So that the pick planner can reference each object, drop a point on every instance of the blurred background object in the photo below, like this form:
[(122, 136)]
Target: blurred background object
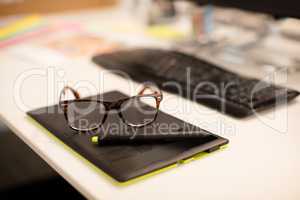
[(13, 7), (277, 8)]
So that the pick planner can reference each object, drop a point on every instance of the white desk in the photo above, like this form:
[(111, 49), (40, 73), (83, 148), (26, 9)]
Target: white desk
[(262, 160)]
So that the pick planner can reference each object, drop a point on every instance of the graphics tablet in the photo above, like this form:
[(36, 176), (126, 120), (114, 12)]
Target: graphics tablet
[(128, 162)]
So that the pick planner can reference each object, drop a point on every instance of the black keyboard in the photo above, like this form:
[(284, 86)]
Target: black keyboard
[(197, 80)]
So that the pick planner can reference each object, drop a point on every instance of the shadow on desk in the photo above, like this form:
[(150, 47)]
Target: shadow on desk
[(52, 188), (24, 174)]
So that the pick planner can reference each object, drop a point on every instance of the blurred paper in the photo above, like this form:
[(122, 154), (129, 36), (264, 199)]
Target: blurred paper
[(81, 45), (19, 26)]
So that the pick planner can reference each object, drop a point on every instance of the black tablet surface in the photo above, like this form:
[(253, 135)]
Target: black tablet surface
[(124, 162)]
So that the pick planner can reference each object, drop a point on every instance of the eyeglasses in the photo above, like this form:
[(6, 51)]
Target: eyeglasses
[(90, 114)]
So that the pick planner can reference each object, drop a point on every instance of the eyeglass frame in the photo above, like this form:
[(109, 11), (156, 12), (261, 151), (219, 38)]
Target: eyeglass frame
[(110, 105)]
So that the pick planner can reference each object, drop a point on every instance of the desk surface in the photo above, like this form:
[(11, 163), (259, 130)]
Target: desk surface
[(262, 160)]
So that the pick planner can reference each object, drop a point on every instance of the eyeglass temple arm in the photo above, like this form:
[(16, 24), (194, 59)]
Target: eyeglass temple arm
[(156, 91), (63, 92)]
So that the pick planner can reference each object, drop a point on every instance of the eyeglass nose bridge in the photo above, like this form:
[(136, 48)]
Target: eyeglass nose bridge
[(112, 105)]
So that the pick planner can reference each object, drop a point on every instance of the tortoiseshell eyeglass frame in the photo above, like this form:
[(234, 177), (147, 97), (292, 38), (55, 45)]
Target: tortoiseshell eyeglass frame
[(110, 105)]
